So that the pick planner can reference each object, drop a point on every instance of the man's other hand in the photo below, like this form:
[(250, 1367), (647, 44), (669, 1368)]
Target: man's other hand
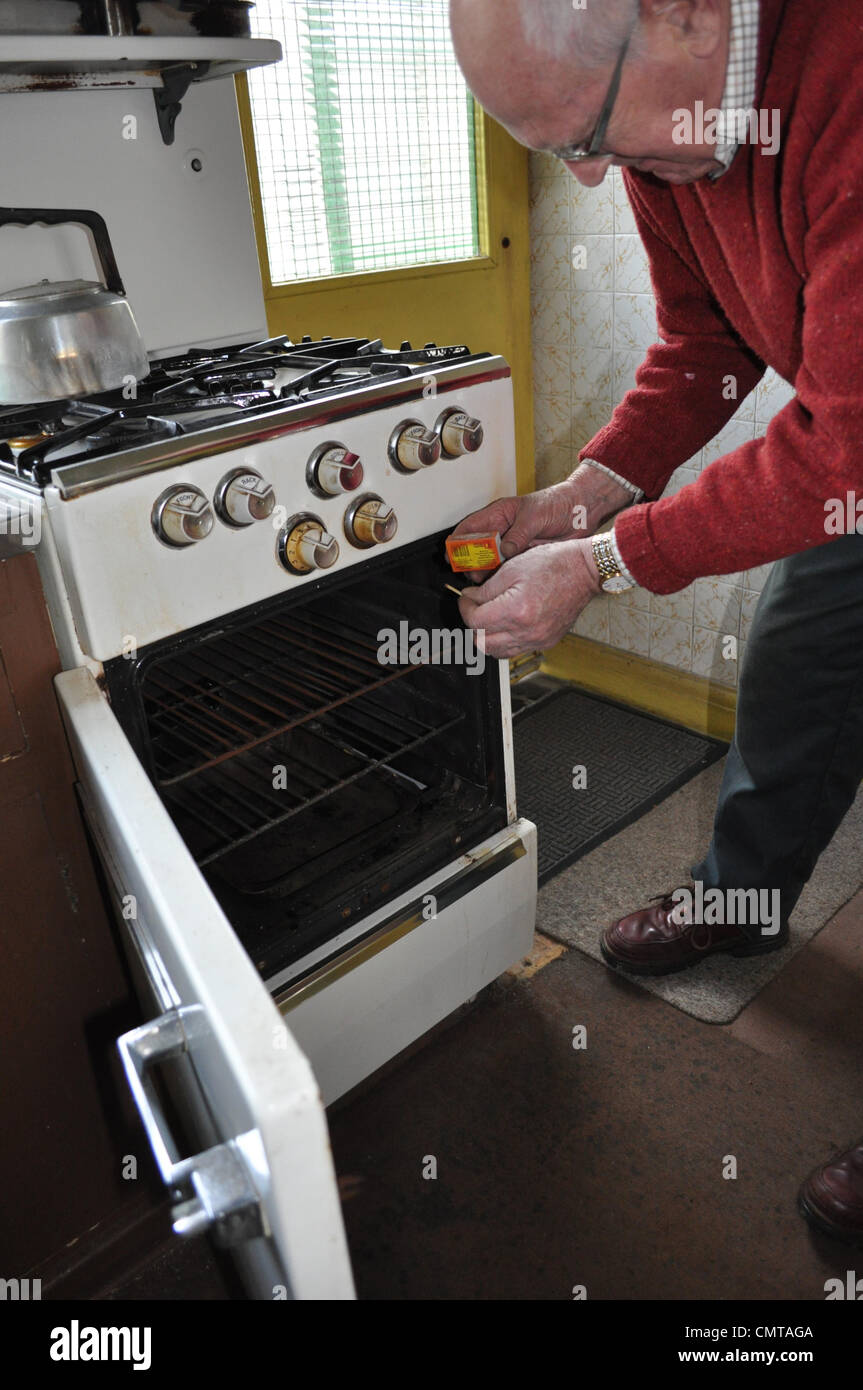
[(565, 511), (532, 601)]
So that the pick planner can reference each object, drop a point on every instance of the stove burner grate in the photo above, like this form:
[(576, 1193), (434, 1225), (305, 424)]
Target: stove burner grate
[(218, 385)]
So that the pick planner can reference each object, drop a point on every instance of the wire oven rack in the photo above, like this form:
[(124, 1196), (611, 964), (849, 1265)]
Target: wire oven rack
[(305, 691)]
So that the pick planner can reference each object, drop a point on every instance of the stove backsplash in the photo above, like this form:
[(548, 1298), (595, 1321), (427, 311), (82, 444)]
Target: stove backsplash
[(183, 236)]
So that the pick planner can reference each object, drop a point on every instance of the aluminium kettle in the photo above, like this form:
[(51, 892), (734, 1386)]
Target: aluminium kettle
[(68, 337)]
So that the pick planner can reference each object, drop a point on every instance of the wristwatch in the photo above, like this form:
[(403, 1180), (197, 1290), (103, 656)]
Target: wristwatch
[(613, 582)]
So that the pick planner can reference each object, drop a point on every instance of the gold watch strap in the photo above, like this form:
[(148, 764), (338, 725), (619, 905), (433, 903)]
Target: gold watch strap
[(612, 578), (604, 557)]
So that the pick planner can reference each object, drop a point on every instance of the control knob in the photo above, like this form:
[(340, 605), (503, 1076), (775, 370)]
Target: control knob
[(333, 469), (182, 516), (459, 433), (370, 521), (244, 497), (304, 545), (413, 446)]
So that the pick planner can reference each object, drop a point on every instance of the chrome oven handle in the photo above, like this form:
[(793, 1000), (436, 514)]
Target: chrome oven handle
[(141, 1049), (224, 1196)]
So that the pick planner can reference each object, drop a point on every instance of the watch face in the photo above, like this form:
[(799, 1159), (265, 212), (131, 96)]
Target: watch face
[(617, 585)]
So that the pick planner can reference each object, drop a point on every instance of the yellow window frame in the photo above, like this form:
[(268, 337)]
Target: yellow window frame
[(483, 301)]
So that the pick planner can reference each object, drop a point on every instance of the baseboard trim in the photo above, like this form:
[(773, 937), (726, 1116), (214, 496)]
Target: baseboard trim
[(696, 703)]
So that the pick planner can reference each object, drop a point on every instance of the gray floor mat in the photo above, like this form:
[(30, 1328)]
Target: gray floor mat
[(654, 854), (631, 762)]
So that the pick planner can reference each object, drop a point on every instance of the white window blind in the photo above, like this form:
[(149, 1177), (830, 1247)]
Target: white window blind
[(365, 138)]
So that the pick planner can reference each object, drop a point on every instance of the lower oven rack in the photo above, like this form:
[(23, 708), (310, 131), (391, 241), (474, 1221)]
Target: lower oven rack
[(233, 802)]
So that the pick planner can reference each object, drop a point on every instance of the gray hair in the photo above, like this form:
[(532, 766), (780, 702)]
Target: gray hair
[(593, 32)]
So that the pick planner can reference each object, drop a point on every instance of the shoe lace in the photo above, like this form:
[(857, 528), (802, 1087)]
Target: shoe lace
[(669, 895)]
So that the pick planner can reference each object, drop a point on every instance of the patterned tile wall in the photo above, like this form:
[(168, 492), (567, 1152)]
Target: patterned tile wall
[(593, 318)]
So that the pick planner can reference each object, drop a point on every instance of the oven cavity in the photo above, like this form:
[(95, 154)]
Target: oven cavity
[(312, 780)]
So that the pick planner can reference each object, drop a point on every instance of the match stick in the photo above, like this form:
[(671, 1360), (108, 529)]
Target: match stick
[(453, 590)]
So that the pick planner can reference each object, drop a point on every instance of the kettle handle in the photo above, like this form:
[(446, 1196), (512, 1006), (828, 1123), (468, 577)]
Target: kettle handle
[(55, 217)]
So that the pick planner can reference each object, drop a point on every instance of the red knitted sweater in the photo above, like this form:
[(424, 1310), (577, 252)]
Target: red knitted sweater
[(762, 268)]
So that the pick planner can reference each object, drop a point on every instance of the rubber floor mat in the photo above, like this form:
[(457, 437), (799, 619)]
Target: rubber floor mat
[(586, 768)]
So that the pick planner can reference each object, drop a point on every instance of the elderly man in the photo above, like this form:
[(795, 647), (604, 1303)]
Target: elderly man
[(756, 254)]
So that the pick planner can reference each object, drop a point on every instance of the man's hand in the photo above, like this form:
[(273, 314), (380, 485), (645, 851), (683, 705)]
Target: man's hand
[(533, 600), (564, 512)]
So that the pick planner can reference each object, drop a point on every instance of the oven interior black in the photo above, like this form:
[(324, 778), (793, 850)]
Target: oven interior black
[(311, 782)]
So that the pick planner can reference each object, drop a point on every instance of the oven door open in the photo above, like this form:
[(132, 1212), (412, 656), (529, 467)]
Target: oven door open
[(259, 1172)]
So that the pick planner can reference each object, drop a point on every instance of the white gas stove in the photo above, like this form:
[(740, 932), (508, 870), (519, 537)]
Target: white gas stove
[(313, 857)]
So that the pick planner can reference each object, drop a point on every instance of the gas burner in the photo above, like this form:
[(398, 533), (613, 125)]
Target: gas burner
[(141, 429), (102, 431)]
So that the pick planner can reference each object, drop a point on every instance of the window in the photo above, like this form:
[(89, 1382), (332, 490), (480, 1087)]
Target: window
[(365, 139)]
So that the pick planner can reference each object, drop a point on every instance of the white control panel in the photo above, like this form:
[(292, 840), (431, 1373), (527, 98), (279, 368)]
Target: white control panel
[(179, 546)]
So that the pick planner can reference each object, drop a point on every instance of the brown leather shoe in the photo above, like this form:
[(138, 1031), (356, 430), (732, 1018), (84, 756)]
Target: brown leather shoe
[(831, 1198), (649, 942)]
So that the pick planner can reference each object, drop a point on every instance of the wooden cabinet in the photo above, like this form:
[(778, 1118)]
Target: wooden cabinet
[(69, 1131)]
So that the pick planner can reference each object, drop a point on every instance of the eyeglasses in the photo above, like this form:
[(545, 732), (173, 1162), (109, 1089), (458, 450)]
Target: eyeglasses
[(574, 154)]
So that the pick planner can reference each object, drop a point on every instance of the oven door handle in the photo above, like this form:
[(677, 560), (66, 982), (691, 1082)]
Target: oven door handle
[(223, 1197)]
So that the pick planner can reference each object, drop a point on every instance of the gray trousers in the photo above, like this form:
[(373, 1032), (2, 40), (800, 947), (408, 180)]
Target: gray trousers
[(796, 762)]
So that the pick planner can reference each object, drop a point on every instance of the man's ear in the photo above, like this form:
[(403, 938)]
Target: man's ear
[(696, 24)]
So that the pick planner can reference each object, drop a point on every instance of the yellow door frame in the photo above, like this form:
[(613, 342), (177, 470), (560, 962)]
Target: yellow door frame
[(484, 301)]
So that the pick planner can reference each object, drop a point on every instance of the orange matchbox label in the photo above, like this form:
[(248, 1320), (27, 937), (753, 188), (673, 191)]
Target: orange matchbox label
[(474, 552)]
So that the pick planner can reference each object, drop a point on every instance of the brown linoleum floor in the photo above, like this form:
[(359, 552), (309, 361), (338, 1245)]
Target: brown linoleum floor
[(603, 1167), (599, 1166)]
